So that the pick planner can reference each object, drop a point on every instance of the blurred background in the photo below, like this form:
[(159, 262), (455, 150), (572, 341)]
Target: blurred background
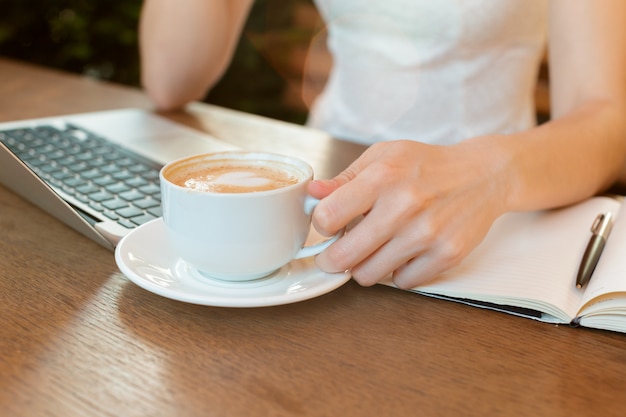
[(280, 65), (98, 39)]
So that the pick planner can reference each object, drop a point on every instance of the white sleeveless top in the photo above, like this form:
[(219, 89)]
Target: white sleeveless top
[(437, 71)]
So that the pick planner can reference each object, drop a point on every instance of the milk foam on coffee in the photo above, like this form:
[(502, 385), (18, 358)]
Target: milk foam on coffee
[(235, 176)]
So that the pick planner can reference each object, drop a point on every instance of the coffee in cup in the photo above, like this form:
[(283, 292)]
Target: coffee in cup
[(235, 176)]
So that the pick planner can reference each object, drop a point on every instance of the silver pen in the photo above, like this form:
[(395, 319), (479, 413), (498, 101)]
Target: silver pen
[(600, 230)]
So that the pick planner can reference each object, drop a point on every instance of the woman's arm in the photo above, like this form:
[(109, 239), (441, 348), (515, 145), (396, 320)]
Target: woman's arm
[(426, 207), (583, 149), (186, 45)]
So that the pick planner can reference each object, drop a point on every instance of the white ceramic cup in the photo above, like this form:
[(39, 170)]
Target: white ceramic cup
[(239, 236)]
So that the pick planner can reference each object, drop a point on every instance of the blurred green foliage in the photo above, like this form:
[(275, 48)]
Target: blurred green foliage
[(98, 38), (95, 38)]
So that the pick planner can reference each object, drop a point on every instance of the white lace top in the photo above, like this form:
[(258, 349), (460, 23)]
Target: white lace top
[(437, 71)]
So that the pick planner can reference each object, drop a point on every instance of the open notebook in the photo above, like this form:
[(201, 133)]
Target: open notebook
[(528, 262), (97, 172)]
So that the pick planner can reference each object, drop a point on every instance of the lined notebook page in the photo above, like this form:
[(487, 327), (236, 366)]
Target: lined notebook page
[(528, 257)]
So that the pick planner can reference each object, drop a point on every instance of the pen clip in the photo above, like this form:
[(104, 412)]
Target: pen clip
[(595, 227), (602, 225)]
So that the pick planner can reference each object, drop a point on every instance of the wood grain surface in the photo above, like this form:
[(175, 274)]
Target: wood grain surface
[(79, 339)]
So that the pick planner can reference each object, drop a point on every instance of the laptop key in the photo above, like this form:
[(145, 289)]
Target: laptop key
[(104, 181), (100, 196), (88, 189), (150, 188), (75, 181), (127, 223), (136, 182), (144, 218), (156, 211), (117, 188), (132, 195), (110, 214), (146, 203), (115, 203), (129, 212)]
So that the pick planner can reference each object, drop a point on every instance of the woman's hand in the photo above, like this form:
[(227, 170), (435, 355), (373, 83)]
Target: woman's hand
[(425, 208)]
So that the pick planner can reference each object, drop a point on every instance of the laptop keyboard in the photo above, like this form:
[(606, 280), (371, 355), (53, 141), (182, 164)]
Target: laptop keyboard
[(102, 179)]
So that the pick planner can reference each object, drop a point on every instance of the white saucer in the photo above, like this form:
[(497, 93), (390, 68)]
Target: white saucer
[(146, 258)]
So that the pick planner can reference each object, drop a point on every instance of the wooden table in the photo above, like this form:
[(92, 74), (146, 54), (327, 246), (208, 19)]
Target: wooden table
[(78, 338)]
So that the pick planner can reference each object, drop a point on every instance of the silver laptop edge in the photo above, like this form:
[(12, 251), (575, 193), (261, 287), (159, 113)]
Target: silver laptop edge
[(141, 131)]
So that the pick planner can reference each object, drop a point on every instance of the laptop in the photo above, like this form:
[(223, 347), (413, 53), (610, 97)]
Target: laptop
[(96, 172)]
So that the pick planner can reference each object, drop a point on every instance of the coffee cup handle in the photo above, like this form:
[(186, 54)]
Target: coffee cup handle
[(309, 204)]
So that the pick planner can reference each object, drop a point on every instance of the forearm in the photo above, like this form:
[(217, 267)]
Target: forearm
[(565, 160), (583, 149), (185, 46)]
